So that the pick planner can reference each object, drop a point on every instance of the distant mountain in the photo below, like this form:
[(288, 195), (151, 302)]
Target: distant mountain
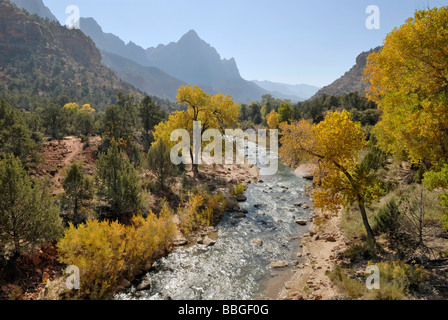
[(298, 92), (352, 80), (151, 80), (196, 62), (189, 61), (43, 58), (35, 7)]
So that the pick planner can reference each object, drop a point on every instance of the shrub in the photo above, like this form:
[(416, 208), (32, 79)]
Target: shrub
[(217, 203), (401, 275), (365, 250), (106, 252), (375, 159), (193, 213), (239, 189), (387, 219), (351, 287)]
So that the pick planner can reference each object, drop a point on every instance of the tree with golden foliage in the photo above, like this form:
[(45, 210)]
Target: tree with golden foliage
[(409, 82), (272, 120), (213, 111), (334, 144)]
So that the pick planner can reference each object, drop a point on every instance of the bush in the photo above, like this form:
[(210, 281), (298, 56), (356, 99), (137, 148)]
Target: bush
[(397, 281), (366, 250), (105, 252), (351, 287), (400, 275), (387, 219), (239, 189), (375, 159), (217, 203), (193, 213)]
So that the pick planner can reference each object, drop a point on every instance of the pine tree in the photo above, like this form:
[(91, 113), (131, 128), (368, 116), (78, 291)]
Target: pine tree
[(78, 190), (28, 215), (118, 182), (159, 163)]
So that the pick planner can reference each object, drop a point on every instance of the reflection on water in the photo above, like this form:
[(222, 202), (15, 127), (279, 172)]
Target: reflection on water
[(234, 268)]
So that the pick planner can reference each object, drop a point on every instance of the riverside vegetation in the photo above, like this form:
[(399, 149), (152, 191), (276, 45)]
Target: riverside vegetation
[(387, 178), (121, 215), (381, 164)]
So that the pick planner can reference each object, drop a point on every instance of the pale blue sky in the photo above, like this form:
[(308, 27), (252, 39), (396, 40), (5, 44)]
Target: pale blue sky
[(290, 41)]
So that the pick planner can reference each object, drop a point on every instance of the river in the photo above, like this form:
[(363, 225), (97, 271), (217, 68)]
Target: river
[(235, 268)]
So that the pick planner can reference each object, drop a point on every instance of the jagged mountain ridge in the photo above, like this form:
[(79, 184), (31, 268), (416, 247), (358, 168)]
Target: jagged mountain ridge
[(352, 80), (190, 60), (35, 7)]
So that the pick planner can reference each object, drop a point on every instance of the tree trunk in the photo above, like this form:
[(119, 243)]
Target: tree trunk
[(194, 167), (365, 220)]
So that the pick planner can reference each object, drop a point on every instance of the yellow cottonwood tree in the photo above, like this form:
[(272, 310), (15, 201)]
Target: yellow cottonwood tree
[(334, 144), (213, 111), (409, 82), (272, 120)]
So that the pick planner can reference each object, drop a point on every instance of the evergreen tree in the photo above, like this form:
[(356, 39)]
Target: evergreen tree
[(78, 190), (15, 135), (118, 182), (159, 163), (28, 215), (150, 114)]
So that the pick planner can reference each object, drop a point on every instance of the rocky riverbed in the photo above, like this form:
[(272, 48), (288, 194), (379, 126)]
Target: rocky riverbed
[(251, 246)]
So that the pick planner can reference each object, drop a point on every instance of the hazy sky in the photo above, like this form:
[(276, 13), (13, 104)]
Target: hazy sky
[(290, 41)]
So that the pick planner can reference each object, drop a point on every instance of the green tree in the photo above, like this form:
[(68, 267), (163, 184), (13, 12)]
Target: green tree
[(285, 113), (28, 215), (150, 114), (78, 190), (55, 120), (118, 182), (15, 135), (159, 163)]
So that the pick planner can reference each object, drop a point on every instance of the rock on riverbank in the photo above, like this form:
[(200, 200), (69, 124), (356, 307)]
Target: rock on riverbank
[(306, 171)]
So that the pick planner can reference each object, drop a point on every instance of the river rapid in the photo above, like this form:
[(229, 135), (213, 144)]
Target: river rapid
[(235, 268)]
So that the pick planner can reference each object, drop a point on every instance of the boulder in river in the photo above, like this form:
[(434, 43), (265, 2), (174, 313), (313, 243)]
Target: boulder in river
[(278, 264), (239, 216), (241, 197), (301, 222), (257, 242)]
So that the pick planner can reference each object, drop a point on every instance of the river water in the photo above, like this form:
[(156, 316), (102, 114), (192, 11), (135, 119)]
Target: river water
[(235, 268)]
